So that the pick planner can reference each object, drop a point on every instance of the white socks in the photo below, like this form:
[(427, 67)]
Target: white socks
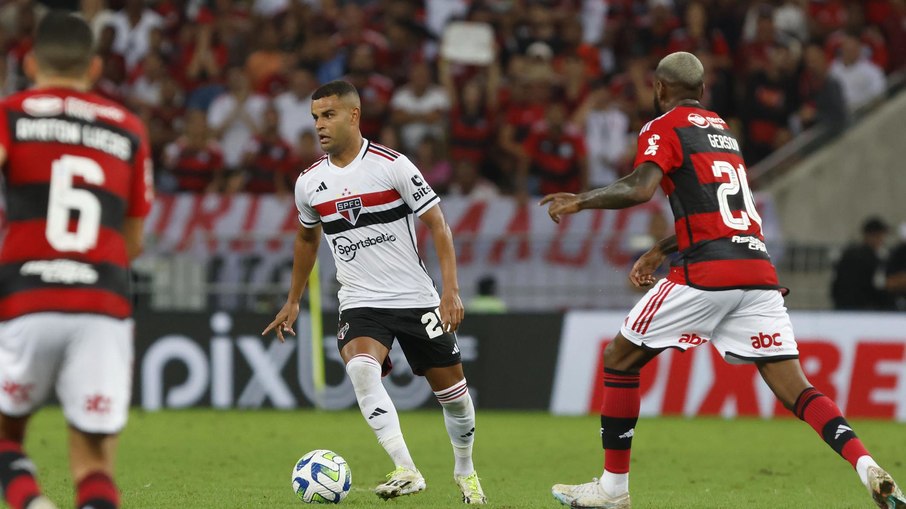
[(614, 485), (862, 465), (377, 408), (459, 417)]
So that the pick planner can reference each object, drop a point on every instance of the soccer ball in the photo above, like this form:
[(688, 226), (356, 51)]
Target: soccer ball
[(321, 477)]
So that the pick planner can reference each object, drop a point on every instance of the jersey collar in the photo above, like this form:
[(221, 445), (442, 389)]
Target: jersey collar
[(354, 162)]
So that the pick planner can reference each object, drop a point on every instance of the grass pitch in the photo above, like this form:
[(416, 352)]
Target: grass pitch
[(202, 459)]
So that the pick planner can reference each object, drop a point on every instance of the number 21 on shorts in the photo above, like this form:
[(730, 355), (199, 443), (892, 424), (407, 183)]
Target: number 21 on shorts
[(432, 323)]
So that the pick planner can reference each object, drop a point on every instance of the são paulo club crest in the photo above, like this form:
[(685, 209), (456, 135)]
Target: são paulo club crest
[(350, 209)]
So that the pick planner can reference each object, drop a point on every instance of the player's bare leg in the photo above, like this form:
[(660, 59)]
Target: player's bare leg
[(17, 472), (452, 392), (91, 458), (793, 389), (619, 413), (363, 357)]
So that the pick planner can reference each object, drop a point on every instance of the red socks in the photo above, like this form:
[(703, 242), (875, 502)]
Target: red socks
[(17, 475), (619, 414), (822, 414), (98, 491)]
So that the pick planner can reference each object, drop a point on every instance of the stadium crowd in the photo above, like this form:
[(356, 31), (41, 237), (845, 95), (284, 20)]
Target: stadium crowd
[(224, 85)]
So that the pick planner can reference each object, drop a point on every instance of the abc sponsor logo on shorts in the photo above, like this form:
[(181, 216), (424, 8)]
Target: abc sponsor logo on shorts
[(346, 249), (692, 339), (763, 340)]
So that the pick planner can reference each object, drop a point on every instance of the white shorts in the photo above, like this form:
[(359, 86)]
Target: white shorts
[(744, 325), (87, 357)]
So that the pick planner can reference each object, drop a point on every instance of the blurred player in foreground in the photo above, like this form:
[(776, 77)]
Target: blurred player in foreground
[(364, 197), (78, 185), (723, 288)]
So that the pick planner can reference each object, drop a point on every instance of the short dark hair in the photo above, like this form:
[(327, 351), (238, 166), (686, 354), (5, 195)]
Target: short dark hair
[(339, 88), (874, 224), (64, 44)]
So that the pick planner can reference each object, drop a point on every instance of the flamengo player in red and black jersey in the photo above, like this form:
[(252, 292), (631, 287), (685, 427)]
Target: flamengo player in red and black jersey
[(78, 184), (365, 197), (722, 288)]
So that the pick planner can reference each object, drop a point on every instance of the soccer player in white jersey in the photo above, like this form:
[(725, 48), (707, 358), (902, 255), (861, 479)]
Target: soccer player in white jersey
[(364, 197)]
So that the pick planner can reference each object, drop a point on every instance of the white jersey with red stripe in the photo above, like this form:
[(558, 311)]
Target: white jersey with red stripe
[(367, 210)]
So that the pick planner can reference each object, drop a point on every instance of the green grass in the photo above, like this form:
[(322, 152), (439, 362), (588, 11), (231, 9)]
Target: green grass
[(203, 459)]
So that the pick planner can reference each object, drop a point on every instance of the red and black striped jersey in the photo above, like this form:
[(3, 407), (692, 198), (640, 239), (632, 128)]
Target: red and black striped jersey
[(718, 230), (76, 167)]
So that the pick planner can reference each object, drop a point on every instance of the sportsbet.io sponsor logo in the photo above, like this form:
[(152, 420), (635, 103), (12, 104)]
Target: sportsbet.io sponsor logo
[(346, 249)]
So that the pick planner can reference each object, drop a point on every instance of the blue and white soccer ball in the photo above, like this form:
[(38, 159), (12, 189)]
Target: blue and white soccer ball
[(321, 477)]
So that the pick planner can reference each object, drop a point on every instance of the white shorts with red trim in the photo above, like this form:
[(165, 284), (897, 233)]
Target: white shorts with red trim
[(744, 325), (87, 358)]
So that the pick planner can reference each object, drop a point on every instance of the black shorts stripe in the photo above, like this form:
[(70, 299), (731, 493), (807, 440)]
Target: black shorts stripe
[(367, 219), (110, 277), (29, 202)]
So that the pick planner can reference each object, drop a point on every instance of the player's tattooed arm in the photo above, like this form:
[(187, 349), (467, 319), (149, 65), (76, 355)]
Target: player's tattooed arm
[(667, 246), (633, 189)]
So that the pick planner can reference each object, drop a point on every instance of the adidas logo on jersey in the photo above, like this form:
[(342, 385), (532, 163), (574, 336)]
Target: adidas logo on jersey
[(322, 187)]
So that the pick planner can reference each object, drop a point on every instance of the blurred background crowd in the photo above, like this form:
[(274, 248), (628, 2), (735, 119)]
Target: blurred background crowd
[(224, 85)]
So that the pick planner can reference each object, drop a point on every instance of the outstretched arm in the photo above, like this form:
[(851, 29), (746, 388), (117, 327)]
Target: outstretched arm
[(633, 189), (305, 252), (451, 308)]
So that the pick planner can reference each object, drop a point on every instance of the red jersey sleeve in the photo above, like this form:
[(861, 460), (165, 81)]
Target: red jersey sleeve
[(659, 144), (4, 129), (141, 196)]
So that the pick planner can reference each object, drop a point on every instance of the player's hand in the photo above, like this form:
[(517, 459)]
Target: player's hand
[(560, 204), (284, 321), (642, 273), (451, 311)]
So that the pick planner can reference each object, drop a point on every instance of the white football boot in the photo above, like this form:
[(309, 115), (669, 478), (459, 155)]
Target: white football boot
[(402, 481), (884, 490), (470, 488), (589, 496)]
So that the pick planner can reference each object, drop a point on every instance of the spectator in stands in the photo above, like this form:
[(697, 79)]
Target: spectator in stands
[(606, 128), (201, 62), (294, 105), (473, 114), (144, 90), (791, 19), (863, 82), (820, 94), (235, 115), (896, 272), (113, 78), (697, 37), (419, 108), (859, 274), (430, 160), (531, 90), (374, 88), (468, 182), (24, 19), (133, 25), (267, 159), (769, 102), (167, 119), (194, 160), (96, 14), (556, 157), (306, 151), (265, 65)]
